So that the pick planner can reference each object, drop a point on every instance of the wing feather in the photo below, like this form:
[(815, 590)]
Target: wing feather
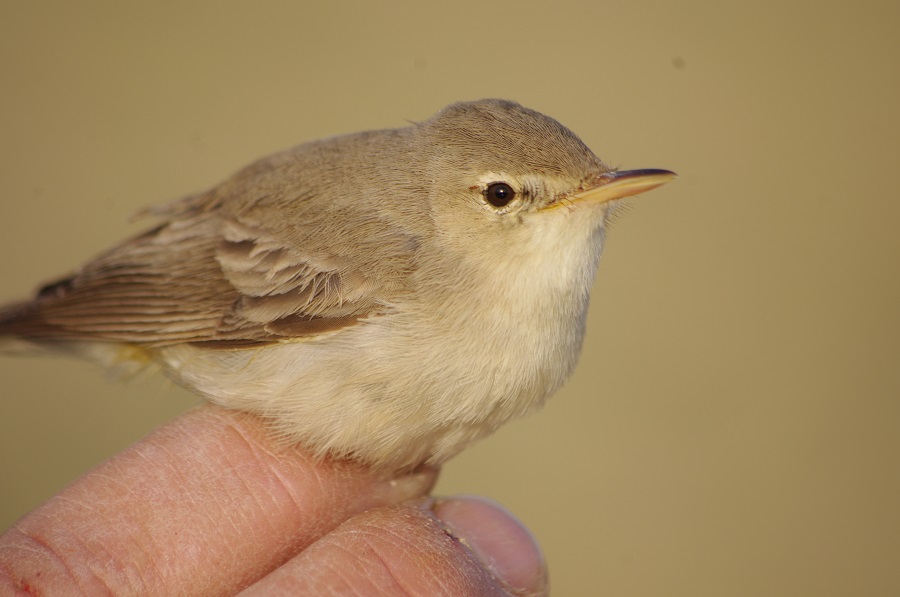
[(278, 251), (210, 278)]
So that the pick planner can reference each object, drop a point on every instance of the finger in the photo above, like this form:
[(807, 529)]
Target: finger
[(204, 505), (462, 546)]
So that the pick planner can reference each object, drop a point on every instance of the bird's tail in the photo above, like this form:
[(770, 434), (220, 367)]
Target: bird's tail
[(13, 339), (24, 334)]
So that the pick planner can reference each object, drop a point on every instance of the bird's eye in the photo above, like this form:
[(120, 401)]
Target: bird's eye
[(499, 194)]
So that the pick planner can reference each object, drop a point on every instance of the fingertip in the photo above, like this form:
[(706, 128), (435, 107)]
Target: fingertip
[(498, 540)]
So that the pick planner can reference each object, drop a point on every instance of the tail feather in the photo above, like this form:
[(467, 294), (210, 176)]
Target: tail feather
[(23, 321), (27, 321), (23, 333)]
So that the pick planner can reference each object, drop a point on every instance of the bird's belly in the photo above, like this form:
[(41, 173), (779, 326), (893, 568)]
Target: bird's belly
[(380, 395)]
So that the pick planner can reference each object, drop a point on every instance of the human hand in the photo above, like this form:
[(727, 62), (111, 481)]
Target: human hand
[(207, 505)]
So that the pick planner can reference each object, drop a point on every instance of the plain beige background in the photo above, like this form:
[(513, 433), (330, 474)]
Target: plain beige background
[(734, 425)]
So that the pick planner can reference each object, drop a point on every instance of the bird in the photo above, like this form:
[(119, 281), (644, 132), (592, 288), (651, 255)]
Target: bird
[(388, 296)]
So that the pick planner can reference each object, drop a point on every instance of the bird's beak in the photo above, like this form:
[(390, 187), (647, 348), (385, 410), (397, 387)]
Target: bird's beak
[(617, 185)]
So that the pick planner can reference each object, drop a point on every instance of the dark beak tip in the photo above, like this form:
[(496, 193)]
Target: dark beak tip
[(644, 172)]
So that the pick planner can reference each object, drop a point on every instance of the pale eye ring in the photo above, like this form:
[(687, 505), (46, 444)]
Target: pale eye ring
[(499, 194)]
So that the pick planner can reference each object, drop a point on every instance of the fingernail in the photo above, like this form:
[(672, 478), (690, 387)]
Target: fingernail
[(505, 547)]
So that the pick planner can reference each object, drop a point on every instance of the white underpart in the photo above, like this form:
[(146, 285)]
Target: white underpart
[(364, 392)]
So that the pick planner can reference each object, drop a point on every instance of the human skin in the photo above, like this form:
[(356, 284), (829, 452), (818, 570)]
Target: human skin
[(209, 505)]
